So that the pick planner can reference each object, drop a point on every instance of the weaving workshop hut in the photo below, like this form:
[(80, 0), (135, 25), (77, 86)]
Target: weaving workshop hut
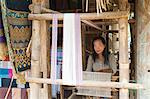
[(47, 49)]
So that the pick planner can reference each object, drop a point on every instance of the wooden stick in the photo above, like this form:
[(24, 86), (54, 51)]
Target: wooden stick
[(100, 6), (83, 16), (87, 3), (28, 53), (90, 83), (97, 7), (9, 88), (45, 10), (90, 23), (103, 5)]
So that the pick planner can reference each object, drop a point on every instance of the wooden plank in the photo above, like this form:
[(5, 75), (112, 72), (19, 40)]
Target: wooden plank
[(85, 16), (123, 56), (89, 83)]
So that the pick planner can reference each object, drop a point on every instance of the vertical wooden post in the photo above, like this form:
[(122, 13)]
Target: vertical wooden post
[(35, 57), (46, 49), (44, 55), (123, 50), (123, 56), (83, 46)]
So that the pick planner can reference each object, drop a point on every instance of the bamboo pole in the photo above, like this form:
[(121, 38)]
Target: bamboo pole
[(123, 56), (125, 85), (85, 16)]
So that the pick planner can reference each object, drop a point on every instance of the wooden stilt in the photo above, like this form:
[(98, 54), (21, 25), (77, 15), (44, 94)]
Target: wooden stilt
[(123, 56), (35, 59), (123, 50)]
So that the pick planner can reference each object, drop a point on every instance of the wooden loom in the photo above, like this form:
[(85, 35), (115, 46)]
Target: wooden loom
[(40, 26)]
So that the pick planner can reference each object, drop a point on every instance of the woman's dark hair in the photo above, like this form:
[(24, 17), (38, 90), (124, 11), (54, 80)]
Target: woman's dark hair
[(105, 54)]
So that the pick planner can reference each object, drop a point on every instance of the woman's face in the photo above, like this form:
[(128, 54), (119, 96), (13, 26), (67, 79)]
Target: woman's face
[(99, 46)]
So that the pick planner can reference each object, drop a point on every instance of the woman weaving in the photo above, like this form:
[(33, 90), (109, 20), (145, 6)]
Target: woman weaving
[(99, 61)]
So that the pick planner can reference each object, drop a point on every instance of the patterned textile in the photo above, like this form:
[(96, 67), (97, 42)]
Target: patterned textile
[(3, 92), (5, 82), (5, 23), (21, 60), (20, 34), (5, 64), (5, 73), (15, 93), (17, 14)]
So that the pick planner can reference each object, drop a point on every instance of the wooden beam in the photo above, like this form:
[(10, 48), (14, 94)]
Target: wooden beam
[(84, 16), (89, 83)]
